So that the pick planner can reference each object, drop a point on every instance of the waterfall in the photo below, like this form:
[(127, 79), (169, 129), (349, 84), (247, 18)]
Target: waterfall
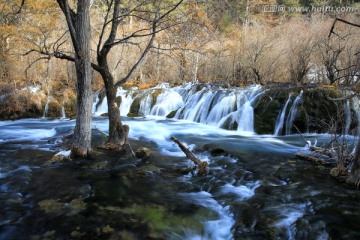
[(225, 106), (102, 108), (63, 115), (293, 112), (95, 102), (126, 100), (46, 109), (356, 107), (145, 104), (203, 103), (347, 117), (228, 109), (281, 117), (246, 120), (167, 102)]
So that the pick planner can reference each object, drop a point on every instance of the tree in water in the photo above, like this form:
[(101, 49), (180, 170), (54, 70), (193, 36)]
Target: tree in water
[(354, 175), (79, 27), (78, 23), (155, 17)]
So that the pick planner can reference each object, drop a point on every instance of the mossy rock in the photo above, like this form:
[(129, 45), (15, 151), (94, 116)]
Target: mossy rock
[(268, 107), (229, 124), (172, 114), (133, 115), (318, 111), (135, 107), (265, 116), (155, 95)]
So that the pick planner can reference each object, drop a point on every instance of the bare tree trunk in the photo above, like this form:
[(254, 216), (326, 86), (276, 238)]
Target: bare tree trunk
[(118, 133), (354, 177), (79, 28)]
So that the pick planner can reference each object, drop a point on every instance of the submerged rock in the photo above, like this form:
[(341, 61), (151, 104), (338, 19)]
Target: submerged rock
[(52, 206), (143, 153), (172, 114), (60, 157), (314, 112)]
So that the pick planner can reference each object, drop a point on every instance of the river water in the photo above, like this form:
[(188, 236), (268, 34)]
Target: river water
[(255, 188)]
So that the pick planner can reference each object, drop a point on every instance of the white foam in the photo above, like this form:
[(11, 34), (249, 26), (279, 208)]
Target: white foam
[(21, 134), (213, 229), (242, 192), (64, 153)]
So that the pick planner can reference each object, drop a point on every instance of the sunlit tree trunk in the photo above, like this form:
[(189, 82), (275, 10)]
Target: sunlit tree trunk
[(354, 177), (79, 28)]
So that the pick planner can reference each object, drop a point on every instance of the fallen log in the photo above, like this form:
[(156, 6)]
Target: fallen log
[(314, 158), (102, 132), (201, 166)]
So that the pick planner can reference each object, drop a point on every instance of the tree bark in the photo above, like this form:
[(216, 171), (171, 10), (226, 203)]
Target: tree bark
[(79, 28), (118, 133), (354, 176), (82, 133)]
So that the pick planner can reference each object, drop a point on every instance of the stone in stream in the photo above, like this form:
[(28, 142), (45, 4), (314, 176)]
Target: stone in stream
[(143, 153), (59, 158)]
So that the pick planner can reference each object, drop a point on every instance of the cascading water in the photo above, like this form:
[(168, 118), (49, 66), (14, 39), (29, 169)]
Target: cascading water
[(355, 104), (281, 117), (221, 109), (229, 109), (196, 109), (63, 114), (102, 108), (347, 117), (293, 112), (145, 105), (126, 100), (242, 119), (167, 102), (46, 109)]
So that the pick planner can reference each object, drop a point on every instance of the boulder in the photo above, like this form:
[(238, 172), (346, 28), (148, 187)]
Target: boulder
[(143, 153)]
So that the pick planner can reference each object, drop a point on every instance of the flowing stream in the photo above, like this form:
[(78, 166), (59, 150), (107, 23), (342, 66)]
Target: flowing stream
[(255, 188)]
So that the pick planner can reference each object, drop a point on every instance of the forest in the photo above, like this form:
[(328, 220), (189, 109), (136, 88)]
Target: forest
[(179, 119)]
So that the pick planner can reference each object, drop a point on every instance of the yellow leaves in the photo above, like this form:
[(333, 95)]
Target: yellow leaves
[(7, 30), (40, 5)]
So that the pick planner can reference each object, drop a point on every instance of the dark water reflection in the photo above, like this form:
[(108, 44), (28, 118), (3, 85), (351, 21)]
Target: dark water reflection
[(256, 191)]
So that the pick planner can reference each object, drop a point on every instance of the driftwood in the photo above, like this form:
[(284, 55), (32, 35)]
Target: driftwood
[(314, 158), (201, 166), (102, 132)]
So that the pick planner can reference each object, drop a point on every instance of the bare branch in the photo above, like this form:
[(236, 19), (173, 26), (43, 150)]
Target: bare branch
[(140, 60), (70, 19), (341, 20)]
